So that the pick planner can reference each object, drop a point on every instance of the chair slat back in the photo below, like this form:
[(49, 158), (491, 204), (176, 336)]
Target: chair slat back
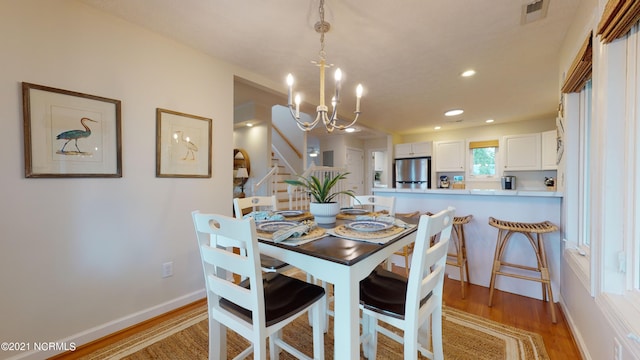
[(428, 262), (255, 203), (214, 232), (386, 202)]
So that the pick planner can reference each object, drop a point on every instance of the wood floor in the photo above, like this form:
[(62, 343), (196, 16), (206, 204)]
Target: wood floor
[(519, 311), (509, 309)]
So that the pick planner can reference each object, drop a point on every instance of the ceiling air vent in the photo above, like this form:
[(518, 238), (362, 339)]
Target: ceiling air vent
[(534, 11)]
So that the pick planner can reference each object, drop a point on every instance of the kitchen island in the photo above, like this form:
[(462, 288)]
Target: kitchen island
[(511, 205)]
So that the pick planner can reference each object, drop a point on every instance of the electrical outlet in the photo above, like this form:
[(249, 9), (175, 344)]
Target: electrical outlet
[(617, 349), (167, 269)]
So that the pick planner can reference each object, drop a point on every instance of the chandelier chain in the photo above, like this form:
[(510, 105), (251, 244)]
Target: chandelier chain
[(322, 29)]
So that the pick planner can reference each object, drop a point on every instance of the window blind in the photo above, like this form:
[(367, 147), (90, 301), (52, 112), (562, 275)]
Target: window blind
[(580, 70), (483, 144), (618, 18)]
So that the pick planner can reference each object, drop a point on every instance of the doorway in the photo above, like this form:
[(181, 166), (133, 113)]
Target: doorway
[(378, 173), (355, 166)]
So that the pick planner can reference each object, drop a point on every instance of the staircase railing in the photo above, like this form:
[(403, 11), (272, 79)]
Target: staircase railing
[(269, 180), (299, 197)]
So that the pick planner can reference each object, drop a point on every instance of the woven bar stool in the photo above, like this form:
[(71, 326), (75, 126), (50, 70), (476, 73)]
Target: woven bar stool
[(505, 230), (459, 258)]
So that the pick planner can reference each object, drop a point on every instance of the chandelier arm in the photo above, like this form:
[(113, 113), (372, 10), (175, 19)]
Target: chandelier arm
[(305, 126), (342, 127)]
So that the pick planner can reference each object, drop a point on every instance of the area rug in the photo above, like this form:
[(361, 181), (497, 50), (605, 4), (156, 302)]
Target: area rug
[(465, 337)]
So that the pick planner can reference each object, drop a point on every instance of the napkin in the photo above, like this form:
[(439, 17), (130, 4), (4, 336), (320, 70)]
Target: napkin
[(294, 231), (386, 219), (264, 215)]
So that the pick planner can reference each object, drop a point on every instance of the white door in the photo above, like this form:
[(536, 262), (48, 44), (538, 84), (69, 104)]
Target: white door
[(355, 167)]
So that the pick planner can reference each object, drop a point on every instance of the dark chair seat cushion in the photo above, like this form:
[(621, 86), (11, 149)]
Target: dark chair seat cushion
[(385, 292), (283, 297), (267, 262)]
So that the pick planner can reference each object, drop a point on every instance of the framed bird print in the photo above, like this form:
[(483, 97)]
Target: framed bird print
[(70, 134), (183, 145)]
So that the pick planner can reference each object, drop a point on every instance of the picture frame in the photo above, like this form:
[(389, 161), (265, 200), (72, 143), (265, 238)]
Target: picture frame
[(69, 134), (183, 145)]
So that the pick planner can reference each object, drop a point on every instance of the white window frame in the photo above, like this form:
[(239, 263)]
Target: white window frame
[(585, 155)]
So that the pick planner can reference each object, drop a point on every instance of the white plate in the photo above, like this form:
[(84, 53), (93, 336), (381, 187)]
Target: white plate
[(290, 213), (369, 225), (354, 211), (273, 226)]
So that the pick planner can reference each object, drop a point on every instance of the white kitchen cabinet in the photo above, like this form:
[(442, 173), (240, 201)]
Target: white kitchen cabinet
[(380, 160), (549, 150), (409, 150), (449, 155), (522, 152)]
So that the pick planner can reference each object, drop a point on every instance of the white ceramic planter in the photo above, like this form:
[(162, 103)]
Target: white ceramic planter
[(324, 213)]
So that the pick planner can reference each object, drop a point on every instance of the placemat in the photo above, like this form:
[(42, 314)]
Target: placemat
[(305, 216), (343, 216), (378, 237), (314, 234)]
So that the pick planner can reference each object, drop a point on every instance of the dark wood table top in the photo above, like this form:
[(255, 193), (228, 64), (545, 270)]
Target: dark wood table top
[(340, 250)]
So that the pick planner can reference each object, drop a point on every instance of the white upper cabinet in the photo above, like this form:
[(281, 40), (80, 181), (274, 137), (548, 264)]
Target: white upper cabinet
[(409, 150), (449, 155), (549, 150), (522, 152)]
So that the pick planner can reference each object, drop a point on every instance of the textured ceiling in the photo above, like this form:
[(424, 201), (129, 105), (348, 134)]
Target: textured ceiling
[(408, 54)]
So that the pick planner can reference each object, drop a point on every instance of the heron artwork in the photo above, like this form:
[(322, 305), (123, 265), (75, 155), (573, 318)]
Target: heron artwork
[(75, 135), (191, 147)]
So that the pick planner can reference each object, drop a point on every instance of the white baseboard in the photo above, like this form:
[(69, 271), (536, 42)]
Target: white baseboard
[(111, 327)]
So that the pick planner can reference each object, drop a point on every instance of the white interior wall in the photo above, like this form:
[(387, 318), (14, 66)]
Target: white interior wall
[(81, 258)]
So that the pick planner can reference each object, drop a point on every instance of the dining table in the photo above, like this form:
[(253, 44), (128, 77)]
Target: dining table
[(343, 262)]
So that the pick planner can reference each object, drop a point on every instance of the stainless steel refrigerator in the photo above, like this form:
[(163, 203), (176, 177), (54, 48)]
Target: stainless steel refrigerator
[(413, 173)]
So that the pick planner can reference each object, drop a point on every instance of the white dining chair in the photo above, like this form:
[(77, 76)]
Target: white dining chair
[(254, 203), (257, 203), (259, 307), (413, 305), (376, 202)]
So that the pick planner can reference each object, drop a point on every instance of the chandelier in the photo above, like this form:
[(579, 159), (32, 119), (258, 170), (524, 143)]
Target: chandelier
[(329, 121)]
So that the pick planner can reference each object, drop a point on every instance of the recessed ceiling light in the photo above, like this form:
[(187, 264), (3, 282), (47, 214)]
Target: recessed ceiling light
[(468, 73), (454, 112), (489, 121), (437, 127), (350, 130), (249, 124)]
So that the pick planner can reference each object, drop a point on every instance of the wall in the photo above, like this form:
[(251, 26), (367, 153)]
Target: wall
[(81, 258)]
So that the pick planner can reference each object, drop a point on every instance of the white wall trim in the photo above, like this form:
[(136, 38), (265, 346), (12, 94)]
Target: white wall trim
[(111, 327)]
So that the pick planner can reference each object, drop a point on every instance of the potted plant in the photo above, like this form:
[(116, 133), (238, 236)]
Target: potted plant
[(323, 206)]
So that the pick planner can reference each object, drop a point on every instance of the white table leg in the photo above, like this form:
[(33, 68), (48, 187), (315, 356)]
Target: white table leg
[(347, 319)]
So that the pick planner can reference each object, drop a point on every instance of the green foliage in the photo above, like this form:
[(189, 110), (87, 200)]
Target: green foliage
[(321, 191), (484, 161)]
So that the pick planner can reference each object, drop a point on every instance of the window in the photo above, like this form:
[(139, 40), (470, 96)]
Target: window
[(483, 159), (584, 239), (575, 122)]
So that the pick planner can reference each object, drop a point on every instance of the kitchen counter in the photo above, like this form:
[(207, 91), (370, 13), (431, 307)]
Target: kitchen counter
[(512, 205), (494, 192)]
